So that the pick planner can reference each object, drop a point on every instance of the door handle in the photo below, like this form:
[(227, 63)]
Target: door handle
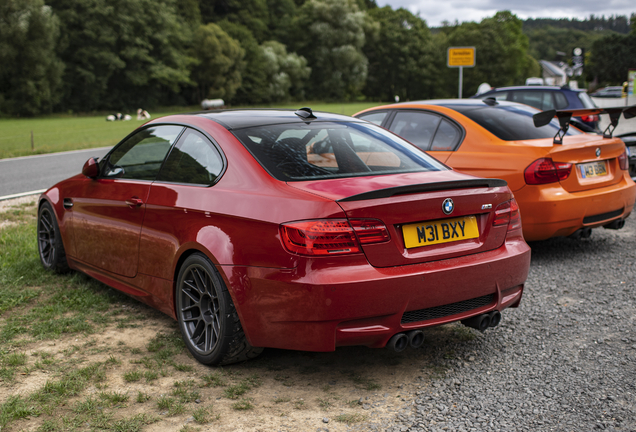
[(134, 202)]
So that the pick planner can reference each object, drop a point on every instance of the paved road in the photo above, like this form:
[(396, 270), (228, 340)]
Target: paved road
[(33, 173)]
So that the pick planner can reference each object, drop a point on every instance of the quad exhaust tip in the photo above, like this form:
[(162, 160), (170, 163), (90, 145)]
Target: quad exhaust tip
[(415, 338), (399, 342), (616, 225), (582, 233), (483, 321)]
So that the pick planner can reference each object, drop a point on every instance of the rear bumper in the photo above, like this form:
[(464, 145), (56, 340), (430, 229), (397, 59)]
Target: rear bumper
[(322, 304), (550, 211)]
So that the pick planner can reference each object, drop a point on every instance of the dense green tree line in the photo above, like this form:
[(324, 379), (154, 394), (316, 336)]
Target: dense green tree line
[(88, 55)]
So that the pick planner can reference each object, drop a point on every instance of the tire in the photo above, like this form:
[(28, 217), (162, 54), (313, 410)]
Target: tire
[(50, 245), (209, 323)]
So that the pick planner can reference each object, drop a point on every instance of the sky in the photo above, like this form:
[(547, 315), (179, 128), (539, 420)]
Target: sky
[(436, 11)]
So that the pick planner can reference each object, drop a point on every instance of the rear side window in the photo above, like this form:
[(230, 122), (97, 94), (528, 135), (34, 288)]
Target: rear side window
[(193, 160), (374, 117), (560, 101), (510, 123), (447, 137), (299, 151), (500, 96), (417, 127), (538, 99), (428, 131), (586, 100)]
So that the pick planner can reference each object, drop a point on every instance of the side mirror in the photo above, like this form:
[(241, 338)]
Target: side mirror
[(91, 169)]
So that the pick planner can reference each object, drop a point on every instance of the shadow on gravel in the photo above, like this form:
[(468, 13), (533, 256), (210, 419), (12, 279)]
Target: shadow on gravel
[(564, 247), (366, 368)]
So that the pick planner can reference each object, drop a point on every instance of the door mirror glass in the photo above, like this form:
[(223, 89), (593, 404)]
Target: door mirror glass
[(91, 169)]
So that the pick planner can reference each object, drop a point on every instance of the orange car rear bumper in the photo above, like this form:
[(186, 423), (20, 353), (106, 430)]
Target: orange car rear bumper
[(550, 211)]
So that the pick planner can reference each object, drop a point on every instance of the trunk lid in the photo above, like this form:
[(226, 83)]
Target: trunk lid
[(411, 207), (594, 161)]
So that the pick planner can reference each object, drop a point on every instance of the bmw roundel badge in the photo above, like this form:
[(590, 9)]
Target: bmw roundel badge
[(598, 152), (448, 206)]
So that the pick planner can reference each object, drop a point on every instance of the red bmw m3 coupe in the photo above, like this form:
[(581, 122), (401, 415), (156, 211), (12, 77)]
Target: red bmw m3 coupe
[(295, 230)]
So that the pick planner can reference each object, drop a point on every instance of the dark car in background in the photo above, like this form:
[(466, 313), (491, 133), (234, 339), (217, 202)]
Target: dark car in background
[(630, 145), (548, 98)]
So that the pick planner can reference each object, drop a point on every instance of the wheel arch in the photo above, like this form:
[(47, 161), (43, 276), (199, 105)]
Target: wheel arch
[(186, 252)]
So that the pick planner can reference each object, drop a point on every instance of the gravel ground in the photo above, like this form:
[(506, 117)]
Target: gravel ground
[(564, 361)]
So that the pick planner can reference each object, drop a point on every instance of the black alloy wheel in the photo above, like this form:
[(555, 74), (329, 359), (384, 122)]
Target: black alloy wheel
[(200, 309), (207, 317), (50, 243)]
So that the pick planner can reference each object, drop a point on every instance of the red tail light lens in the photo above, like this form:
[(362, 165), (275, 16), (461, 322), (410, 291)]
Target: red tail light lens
[(544, 171), (507, 213), (332, 236), (370, 231), (590, 118), (623, 161)]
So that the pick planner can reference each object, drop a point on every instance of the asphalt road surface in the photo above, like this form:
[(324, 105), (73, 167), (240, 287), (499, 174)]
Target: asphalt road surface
[(34, 173)]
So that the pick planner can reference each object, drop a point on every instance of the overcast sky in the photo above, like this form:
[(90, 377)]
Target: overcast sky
[(436, 11)]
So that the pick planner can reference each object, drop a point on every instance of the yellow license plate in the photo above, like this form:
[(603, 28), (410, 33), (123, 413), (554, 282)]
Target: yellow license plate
[(593, 169), (440, 231)]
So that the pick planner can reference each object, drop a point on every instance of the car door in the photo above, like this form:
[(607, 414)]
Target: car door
[(108, 211), (180, 205)]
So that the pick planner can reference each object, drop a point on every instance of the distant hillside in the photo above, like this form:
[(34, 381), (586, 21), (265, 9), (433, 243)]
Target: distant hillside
[(618, 23)]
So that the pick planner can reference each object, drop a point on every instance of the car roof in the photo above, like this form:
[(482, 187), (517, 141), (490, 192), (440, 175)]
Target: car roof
[(242, 118), (535, 87), (449, 103)]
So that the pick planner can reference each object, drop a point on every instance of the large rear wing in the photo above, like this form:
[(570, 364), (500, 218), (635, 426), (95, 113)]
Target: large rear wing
[(564, 116)]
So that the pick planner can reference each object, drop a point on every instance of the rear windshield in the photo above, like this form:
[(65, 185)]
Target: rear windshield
[(586, 100), (510, 123), (300, 151)]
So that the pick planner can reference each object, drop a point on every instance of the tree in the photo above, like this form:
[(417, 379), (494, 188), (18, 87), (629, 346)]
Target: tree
[(403, 39), (31, 71), (252, 14), (501, 50), (218, 62), (611, 58), (122, 53), (545, 42), (286, 72), (330, 35)]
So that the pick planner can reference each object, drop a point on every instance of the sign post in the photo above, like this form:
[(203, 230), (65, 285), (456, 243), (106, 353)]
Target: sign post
[(461, 57), (631, 84)]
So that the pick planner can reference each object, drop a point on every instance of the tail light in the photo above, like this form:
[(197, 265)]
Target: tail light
[(544, 171), (589, 118), (507, 213), (623, 161), (332, 236)]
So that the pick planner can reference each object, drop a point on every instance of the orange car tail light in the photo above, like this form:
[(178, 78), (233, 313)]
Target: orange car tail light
[(590, 118), (507, 213), (544, 171), (623, 161), (332, 236)]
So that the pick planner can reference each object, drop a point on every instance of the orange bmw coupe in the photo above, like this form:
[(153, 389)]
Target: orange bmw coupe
[(565, 181)]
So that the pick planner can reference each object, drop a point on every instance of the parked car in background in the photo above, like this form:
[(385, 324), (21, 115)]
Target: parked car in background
[(294, 230), (548, 98), (630, 143), (609, 92), (562, 189)]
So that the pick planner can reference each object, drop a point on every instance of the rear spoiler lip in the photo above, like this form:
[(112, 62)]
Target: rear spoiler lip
[(564, 116), (425, 187)]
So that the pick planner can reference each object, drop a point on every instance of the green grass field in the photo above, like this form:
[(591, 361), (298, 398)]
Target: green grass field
[(58, 133)]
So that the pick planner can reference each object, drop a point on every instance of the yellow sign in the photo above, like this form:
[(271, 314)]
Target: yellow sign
[(461, 57)]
